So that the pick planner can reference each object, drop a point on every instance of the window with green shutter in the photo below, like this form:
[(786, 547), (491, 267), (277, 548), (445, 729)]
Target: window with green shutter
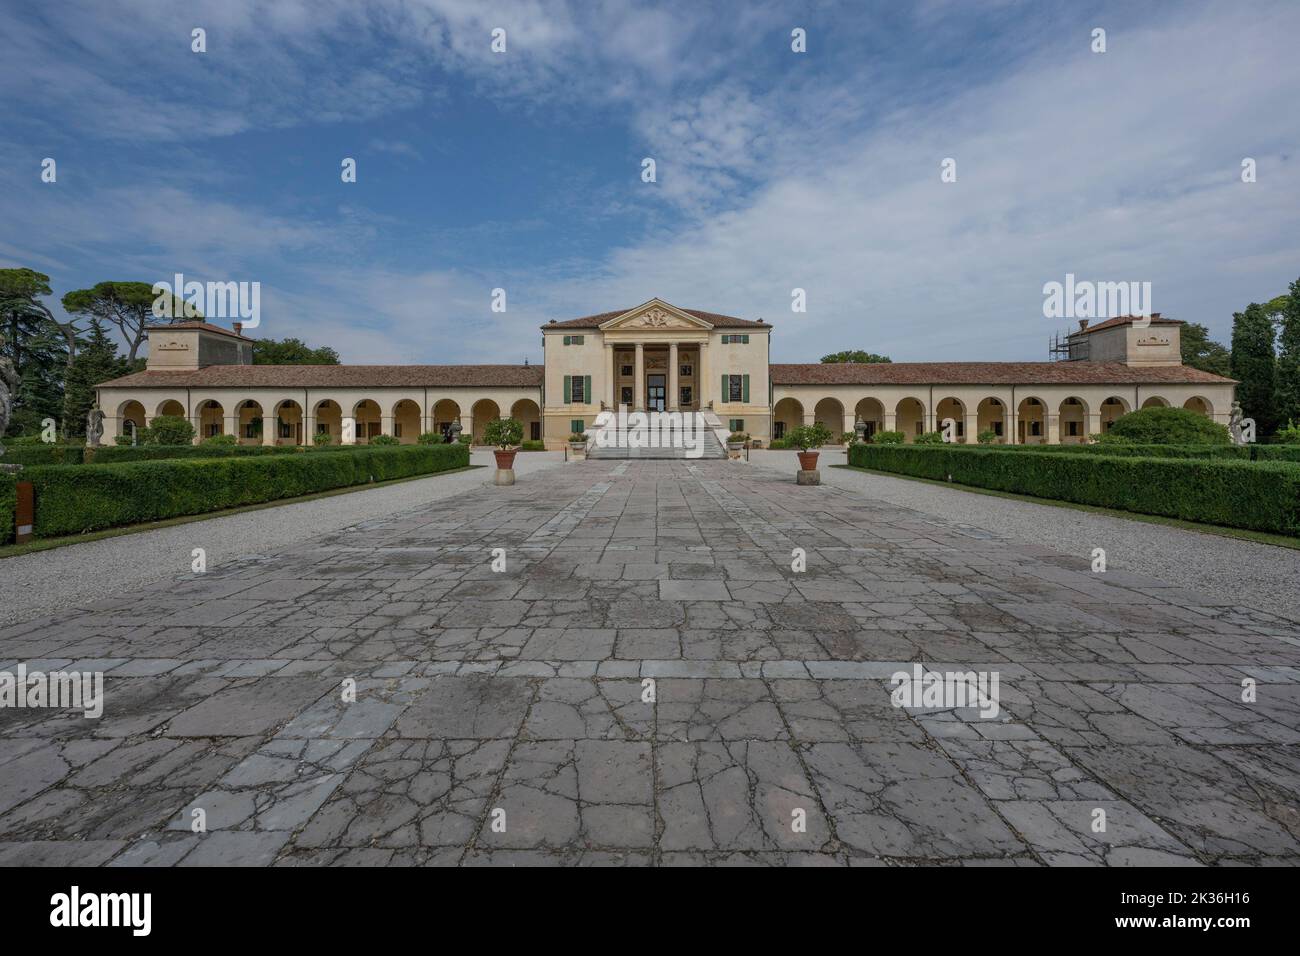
[(568, 389), (577, 426), (744, 395), (736, 424)]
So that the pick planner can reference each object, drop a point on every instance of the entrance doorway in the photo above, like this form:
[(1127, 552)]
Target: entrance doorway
[(655, 391)]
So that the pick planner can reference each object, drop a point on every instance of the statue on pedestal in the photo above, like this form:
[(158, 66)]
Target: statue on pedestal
[(1235, 424), (94, 426), (453, 433)]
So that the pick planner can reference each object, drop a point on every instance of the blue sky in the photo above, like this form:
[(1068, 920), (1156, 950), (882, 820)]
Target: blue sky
[(776, 170)]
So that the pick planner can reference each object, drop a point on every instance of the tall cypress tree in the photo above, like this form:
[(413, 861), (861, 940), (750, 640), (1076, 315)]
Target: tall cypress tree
[(1288, 358), (97, 361), (1254, 366)]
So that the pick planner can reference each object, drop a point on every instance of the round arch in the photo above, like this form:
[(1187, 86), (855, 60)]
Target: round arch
[(369, 420), (329, 420), (445, 412), (249, 422), (991, 416), (133, 412), (211, 418), (870, 412), (1112, 410), (787, 415), (1031, 421), (484, 411), (406, 421), (1073, 421), (288, 423), (170, 407), (529, 415), (1155, 401), (910, 417), (955, 409), (1199, 404), (830, 412)]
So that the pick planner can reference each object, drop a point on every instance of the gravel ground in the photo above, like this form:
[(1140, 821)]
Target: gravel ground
[(44, 582), (1258, 575)]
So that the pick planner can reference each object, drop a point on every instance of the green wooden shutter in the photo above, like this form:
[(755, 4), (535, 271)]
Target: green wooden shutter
[(744, 389), (568, 389), (726, 388), (586, 389)]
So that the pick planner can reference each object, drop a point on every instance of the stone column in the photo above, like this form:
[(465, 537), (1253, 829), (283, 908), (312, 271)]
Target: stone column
[(972, 428), (891, 421), (611, 375), (467, 426), (1053, 428), (703, 378), (385, 424), (850, 418), (638, 379), (232, 426), (1093, 426), (673, 390), (268, 430)]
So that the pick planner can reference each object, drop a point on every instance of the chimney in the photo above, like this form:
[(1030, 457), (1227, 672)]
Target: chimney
[(238, 327), (1083, 324), (1155, 315)]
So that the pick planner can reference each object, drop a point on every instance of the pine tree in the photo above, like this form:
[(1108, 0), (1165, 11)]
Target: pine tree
[(1288, 359), (1254, 366), (97, 361), (35, 345)]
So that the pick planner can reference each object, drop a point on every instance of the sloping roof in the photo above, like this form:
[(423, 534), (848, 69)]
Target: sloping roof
[(1126, 320), (202, 326), (989, 373), (713, 318), (337, 376)]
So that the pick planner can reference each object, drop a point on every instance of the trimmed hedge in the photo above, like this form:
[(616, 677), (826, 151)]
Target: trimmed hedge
[(1250, 452), (95, 496), (113, 454), (8, 505), (1261, 496)]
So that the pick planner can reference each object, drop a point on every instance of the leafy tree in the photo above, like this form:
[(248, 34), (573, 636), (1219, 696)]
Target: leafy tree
[(854, 357), (36, 344), (809, 437), (127, 306), (292, 352), (505, 433), (1288, 359), (168, 430), (1166, 426), (96, 361), (1200, 352), (1254, 366)]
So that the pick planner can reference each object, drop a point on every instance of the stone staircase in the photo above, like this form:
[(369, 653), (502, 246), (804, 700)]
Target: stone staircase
[(611, 437)]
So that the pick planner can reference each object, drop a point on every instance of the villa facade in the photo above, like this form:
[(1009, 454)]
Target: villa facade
[(658, 357)]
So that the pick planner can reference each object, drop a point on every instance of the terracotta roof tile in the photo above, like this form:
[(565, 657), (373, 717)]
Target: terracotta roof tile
[(337, 376), (205, 326), (988, 373), (1125, 320)]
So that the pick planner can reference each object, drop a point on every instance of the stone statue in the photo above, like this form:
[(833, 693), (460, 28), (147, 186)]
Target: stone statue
[(453, 433), (860, 427), (9, 383), (1234, 424), (94, 426)]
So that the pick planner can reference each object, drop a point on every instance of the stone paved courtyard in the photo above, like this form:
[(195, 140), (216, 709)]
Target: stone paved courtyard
[(484, 697)]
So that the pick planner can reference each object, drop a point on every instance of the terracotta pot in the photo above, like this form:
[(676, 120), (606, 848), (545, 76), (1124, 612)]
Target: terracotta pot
[(505, 459), (808, 460)]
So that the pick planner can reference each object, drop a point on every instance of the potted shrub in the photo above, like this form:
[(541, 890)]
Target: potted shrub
[(736, 443), (505, 434), (807, 439), (578, 445)]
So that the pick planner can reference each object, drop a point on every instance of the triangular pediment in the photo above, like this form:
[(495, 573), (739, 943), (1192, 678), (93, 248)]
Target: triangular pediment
[(652, 316)]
